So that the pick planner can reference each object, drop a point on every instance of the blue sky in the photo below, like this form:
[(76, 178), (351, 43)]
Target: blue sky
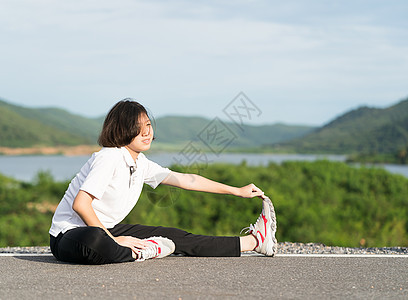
[(300, 62)]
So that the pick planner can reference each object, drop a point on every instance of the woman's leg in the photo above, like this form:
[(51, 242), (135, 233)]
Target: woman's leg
[(89, 245), (186, 243)]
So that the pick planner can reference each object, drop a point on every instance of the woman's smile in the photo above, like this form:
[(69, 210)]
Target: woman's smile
[(147, 141)]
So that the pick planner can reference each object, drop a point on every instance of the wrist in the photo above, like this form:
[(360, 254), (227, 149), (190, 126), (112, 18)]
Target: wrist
[(235, 191)]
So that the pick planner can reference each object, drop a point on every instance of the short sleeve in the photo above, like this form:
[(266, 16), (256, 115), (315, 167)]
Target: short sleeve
[(101, 172), (155, 174)]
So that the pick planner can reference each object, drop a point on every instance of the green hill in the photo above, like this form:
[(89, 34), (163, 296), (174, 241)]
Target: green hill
[(363, 130), (28, 127), (78, 130), (19, 131), (179, 129)]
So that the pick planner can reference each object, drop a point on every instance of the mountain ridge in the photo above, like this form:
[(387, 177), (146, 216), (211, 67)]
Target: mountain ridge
[(362, 130), (65, 128)]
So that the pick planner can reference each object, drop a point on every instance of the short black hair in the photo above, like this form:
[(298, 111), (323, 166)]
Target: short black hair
[(121, 124)]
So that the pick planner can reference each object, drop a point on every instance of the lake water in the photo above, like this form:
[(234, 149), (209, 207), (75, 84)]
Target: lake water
[(65, 167)]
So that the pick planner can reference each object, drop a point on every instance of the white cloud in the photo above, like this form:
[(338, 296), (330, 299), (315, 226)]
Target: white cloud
[(169, 52)]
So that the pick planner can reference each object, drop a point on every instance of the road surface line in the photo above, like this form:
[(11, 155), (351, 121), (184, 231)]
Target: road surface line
[(277, 255)]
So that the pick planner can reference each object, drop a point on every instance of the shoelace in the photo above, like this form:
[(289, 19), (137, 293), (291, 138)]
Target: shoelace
[(149, 252), (249, 229)]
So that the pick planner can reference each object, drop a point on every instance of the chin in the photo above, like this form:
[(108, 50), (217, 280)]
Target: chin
[(145, 148)]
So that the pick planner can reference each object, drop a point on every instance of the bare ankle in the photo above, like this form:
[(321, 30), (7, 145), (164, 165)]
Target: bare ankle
[(248, 243)]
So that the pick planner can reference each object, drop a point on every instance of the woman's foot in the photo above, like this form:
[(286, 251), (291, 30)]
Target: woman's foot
[(159, 247), (264, 229)]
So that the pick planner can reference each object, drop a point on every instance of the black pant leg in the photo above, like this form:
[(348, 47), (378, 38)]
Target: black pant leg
[(186, 243), (89, 245)]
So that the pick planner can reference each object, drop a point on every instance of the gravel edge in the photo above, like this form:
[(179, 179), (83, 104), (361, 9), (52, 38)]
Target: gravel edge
[(283, 248)]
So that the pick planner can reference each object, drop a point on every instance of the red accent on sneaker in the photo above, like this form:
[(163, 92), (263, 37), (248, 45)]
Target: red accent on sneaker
[(257, 241), (158, 248), (265, 221), (262, 237)]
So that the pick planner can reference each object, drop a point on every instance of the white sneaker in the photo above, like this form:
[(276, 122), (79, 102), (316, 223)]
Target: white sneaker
[(159, 247), (264, 229)]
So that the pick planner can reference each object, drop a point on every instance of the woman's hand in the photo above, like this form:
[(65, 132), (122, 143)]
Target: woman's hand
[(131, 242), (250, 191)]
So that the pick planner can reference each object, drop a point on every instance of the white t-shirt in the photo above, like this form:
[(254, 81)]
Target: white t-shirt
[(107, 176)]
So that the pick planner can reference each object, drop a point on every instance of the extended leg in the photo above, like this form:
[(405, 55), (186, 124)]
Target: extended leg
[(186, 243)]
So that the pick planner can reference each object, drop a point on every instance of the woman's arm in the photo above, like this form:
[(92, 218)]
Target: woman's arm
[(195, 182), (83, 207)]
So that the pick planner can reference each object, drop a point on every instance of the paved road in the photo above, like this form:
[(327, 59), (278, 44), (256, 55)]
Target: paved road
[(42, 277)]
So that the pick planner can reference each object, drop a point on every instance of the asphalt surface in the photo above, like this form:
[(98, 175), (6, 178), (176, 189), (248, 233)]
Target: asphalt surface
[(293, 277)]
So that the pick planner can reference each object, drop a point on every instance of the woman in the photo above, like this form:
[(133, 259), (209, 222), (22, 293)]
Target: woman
[(86, 226)]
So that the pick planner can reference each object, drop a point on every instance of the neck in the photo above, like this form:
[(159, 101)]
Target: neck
[(133, 153)]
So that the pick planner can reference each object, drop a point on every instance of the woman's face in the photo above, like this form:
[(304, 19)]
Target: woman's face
[(142, 141)]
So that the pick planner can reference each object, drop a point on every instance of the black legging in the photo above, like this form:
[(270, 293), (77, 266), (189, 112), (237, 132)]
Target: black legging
[(92, 245)]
